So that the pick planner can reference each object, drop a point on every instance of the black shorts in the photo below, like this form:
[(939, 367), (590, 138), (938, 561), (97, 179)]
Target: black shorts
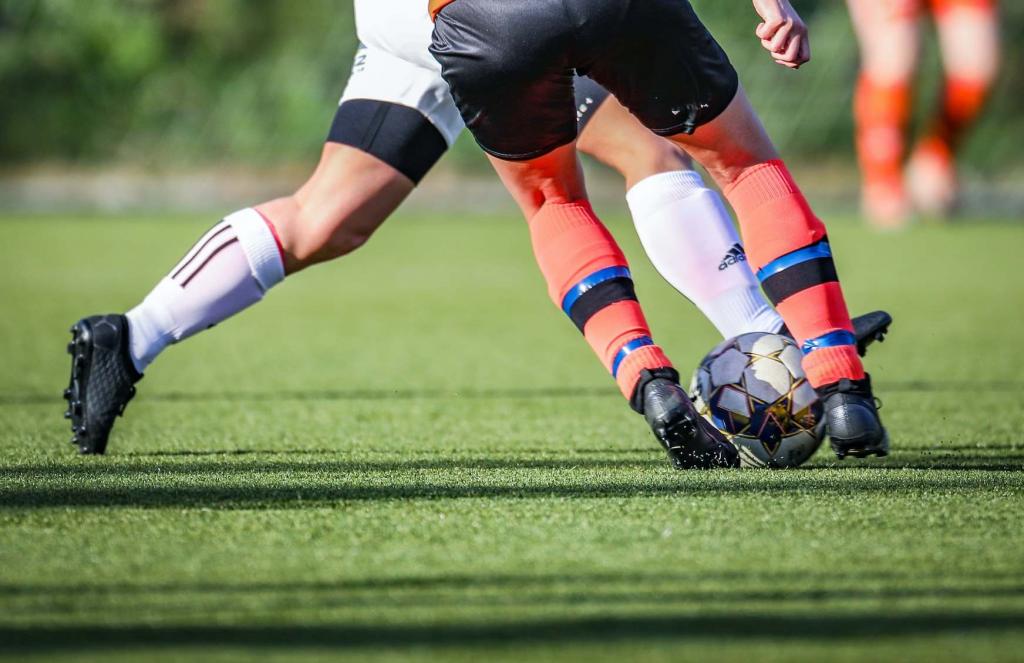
[(589, 97), (510, 66)]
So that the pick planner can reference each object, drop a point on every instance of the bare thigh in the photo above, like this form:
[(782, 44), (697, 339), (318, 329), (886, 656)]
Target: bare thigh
[(616, 138)]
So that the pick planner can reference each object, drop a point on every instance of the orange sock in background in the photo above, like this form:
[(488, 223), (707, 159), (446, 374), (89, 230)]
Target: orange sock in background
[(786, 244), (962, 102), (881, 112), (589, 279)]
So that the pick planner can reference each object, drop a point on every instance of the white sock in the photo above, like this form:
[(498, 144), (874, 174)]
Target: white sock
[(228, 270), (690, 238)]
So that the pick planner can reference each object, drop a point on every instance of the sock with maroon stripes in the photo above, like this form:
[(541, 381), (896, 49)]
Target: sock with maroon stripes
[(228, 270)]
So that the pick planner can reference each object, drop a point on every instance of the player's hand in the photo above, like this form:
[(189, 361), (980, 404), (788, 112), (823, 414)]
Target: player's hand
[(782, 32)]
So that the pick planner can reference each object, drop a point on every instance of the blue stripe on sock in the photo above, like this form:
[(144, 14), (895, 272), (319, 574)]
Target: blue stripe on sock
[(812, 252), (597, 278), (627, 349), (829, 340)]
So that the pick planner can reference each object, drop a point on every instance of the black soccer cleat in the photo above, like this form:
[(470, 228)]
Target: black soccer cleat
[(851, 419), (102, 382), (691, 442), (868, 328)]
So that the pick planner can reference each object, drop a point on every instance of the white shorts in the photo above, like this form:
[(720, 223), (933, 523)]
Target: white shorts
[(394, 66)]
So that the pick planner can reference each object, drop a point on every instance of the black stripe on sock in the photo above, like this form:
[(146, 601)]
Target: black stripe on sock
[(600, 296), (208, 259), (802, 276), (187, 260)]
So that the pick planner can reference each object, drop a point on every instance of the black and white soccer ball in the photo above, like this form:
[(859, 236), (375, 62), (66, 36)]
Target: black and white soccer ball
[(753, 389)]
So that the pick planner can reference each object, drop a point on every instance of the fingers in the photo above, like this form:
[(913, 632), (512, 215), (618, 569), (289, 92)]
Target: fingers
[(805, 50), (788, 43), (768, 29), (782, 37), (790, 55)]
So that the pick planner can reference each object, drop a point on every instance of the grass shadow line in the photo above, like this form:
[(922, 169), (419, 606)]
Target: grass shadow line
[(552, 631)]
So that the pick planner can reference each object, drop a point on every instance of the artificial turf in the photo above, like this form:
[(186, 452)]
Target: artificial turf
[(411, 454)]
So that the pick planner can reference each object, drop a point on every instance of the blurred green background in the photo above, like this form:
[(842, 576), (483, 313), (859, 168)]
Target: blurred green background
[(166, 84)]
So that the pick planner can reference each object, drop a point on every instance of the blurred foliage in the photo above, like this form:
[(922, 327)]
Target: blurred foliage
[(171, 82)]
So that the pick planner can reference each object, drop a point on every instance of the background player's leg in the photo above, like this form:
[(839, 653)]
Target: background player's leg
[(888, 33), (231, 267), (683, 225), (969, 40)]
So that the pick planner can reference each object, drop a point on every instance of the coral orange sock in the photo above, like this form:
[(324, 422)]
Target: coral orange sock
[(881, 112), (786, 244), (589, 279)]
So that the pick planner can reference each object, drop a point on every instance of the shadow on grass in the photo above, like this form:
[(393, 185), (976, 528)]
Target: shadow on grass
[(184, 465), (288, 485), (966, 386), (565, 589), (550, 631)]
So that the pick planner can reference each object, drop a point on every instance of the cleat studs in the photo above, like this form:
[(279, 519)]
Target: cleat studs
[(71, 347), (67, 414), (67, 393)]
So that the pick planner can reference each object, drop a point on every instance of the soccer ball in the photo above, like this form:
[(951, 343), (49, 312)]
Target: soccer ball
[(752, 388)]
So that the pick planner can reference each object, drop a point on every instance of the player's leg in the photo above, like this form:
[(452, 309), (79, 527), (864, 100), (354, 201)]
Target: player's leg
[(888, 34), (377, 150), (506, 66), (789, 248), (229, 269), (682, 224), (708, 114), (969, 40)]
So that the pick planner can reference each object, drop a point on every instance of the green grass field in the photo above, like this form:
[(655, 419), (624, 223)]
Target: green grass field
[(411, 454)]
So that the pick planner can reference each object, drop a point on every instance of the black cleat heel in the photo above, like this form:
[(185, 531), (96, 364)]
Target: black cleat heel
[(691, 442), (102, 379), (852, 420)]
